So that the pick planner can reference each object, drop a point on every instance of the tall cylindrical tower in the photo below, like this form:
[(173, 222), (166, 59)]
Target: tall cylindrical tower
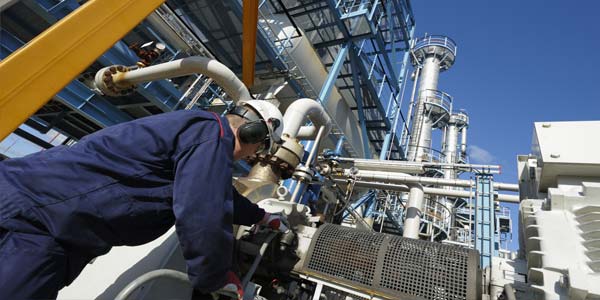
[(432, 54), (458, 123)]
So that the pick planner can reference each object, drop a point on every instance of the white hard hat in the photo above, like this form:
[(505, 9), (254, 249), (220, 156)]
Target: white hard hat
[(271, 115)]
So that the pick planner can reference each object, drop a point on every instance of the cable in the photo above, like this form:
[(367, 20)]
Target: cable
[(138, 282), (258, 258)]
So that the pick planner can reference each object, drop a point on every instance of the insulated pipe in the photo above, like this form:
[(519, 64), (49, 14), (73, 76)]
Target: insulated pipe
[(463, 142), (414, 208), (428, 190), (307, 133), (296, 114), (394, 177), (222, 75), (450, 146), (412, 167)]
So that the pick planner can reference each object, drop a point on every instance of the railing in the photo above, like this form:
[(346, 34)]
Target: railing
[(435, 40), (461, 116), (438, 98), (438, 215)]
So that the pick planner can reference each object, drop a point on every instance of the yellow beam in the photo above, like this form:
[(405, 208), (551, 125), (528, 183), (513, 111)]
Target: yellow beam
[(32, 75), (249, 28)]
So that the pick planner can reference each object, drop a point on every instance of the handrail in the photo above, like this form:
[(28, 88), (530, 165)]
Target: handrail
[(438, 98), (435, 40)]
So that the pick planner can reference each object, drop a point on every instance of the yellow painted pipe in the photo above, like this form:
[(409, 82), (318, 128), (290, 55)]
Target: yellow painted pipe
[(249, 28), (32, 75)]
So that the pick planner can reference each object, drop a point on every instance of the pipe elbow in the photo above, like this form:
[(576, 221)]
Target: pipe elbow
[(297, 113)]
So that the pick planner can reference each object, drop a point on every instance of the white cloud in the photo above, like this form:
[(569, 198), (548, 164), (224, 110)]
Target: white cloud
[(479, 155)]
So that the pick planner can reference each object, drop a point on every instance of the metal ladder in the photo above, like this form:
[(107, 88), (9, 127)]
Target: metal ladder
[(485, 237)]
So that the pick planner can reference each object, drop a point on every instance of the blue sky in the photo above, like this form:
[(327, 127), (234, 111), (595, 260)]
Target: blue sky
[(518, 62)]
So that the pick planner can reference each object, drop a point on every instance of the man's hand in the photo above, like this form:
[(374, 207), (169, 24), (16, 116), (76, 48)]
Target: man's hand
[(275, 222), (232, 287)]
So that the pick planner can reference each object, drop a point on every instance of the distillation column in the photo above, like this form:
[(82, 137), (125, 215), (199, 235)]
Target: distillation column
[(432, 54), (457, 125)]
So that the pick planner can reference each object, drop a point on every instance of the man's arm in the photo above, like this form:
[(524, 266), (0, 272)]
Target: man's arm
[(203, 208), (244, 211)]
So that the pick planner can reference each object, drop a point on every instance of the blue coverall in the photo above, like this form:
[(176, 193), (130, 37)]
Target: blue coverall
[(123, 185)]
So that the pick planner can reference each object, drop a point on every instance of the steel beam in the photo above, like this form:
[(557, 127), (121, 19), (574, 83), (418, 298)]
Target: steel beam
[(55, 57), (333, 74), (249, 29), (75, 95), (359, 103)]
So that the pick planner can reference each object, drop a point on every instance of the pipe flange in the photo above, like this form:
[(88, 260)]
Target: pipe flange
[(290, 151), (286, 168), (303, 174), (105, 81)]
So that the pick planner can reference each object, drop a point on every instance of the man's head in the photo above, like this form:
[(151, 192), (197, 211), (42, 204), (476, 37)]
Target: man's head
[(257, 125)]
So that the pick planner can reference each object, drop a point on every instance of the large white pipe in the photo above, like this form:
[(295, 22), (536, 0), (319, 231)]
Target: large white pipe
[(414, 210), (392, 177), (428, 190), (297, 113), (450, 147), (463, 142), (222, 75)]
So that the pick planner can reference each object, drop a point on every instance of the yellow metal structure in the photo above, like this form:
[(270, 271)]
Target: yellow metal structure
[(35, 73), (249, 28)]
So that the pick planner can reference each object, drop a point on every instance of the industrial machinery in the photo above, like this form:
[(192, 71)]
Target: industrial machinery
[(378, 209)]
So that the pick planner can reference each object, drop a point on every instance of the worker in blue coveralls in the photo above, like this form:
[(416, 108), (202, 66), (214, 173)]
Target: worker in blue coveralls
[(127, 185)]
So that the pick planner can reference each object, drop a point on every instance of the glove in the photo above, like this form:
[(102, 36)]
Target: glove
[(233, 286), (274, 221)]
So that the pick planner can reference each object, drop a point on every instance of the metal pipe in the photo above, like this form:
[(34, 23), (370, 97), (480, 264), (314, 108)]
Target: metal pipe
[(296, 114), (463, 142), (307, 132), (222, 75), (339, 147), (428, 190), (450, 147), (414, 209), (138, 282), (385, 165), (395, 177), (315, 149), (301, 186), (406, 166)]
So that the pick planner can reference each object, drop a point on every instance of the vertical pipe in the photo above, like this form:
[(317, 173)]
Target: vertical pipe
[(301, 186), (463, 142), (339, 146), (414, 209), (450, 149)]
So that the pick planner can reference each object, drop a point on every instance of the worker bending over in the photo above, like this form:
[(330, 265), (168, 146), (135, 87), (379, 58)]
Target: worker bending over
[(127, 185)]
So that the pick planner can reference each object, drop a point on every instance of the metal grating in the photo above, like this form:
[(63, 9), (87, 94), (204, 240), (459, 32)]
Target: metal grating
[(339, 249), (391, 266)]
